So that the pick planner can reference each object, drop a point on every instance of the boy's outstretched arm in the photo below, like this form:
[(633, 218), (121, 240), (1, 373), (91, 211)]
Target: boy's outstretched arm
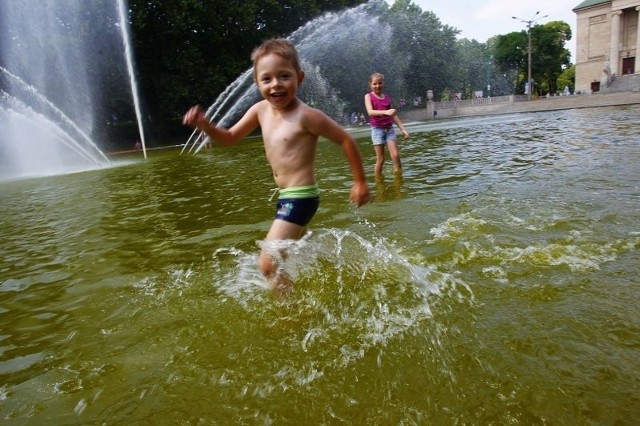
[(197, 119)]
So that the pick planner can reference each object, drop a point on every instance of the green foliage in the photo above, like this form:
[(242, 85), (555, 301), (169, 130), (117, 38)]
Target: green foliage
[(567, 78), (189, 51), (510, 51), (548, 55), (428, 47), (474, 64)]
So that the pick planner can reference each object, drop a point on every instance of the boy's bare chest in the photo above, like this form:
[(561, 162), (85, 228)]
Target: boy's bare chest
[(282, 133)]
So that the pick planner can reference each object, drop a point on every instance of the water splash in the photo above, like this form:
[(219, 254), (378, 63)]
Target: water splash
[(343, 282), (356, 300)]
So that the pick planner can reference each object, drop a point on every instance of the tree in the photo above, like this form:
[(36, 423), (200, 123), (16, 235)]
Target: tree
[(471, 74), (510, 55), (548, 54), (427, 46), (568, 78), (189, 50)]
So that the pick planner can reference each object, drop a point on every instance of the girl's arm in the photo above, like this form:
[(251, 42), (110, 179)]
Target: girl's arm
[(398, 122), (371, 111)]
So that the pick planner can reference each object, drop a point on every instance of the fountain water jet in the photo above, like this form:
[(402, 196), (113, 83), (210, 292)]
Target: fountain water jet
[(41, 141), (53, 83), (124, 27)]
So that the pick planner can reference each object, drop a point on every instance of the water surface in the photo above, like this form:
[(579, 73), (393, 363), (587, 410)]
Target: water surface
[(496, 282)]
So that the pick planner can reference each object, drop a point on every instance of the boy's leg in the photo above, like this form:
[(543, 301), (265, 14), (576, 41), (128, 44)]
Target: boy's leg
[(394, 153), (279, 280)]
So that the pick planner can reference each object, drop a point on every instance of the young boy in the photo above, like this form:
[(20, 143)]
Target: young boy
[(382, 117), (290, 131)]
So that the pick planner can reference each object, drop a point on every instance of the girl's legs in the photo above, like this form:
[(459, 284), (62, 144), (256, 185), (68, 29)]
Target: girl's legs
[(379, 149), (394, 152)]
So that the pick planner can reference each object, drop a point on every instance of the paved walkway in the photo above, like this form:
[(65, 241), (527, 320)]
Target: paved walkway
[(542, 104)]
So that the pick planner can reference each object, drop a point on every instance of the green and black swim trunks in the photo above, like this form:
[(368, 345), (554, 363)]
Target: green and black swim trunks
[(298, 204)]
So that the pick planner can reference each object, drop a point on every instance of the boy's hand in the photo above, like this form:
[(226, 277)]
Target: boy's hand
[(195, 118), (360, 194)]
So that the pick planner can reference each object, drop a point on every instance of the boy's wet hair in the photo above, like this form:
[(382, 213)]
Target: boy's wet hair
[(279, 46)]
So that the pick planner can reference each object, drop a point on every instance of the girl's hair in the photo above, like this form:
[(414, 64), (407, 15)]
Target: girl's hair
[(279, 46), (376, 75)]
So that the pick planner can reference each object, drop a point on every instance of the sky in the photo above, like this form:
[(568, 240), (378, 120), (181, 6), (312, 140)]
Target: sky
[(482, 19)]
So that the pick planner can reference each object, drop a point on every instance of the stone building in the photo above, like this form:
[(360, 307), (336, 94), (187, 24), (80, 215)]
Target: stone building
[(607, 42)]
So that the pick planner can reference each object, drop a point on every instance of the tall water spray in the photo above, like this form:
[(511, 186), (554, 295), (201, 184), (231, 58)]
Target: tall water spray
[(58, 60), (334, 50), (126, 39)]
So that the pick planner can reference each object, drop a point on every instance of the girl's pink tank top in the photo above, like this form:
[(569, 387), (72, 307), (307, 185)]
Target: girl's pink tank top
[(381, 121)]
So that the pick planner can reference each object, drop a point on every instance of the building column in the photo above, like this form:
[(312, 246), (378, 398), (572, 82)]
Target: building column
[(614, 53), (637, 66)]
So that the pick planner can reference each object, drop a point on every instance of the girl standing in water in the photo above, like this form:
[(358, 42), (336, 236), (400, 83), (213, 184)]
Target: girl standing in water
[(382, 117)]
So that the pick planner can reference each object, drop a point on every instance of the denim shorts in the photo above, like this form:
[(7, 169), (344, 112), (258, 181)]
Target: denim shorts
[(381, 136)]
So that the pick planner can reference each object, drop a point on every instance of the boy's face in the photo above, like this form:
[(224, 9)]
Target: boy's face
[(277, 80), (377, 84)]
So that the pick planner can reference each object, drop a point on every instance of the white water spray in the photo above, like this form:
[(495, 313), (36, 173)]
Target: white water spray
[(124, 28), (53, 84)]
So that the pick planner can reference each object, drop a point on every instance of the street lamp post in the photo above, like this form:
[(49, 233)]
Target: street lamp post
[(529, 23)]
